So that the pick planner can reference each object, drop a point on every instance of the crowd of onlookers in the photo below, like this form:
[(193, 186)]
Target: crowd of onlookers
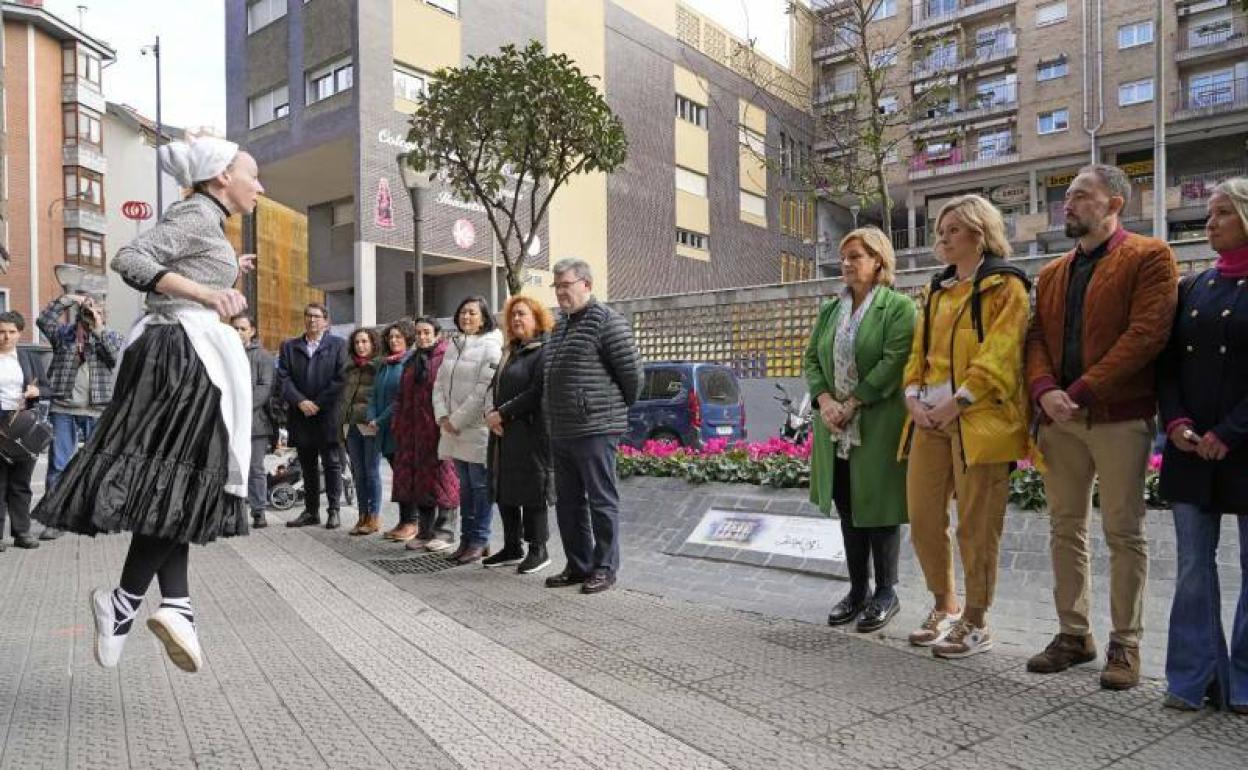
[(921, 403)]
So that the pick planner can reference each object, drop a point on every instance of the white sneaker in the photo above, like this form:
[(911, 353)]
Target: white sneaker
[(934, 630), (964, 641), (108, 645), (437, 544), (179, 637)]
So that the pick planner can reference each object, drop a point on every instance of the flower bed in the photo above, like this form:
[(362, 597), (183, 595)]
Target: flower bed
[(778, 463)]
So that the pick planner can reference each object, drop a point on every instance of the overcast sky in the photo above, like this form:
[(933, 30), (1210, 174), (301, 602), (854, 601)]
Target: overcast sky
[(192, 39)]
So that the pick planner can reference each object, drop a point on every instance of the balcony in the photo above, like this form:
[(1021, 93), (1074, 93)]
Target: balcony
[(837, 44), (1213, 99), (970, 57), (989, 104), (81, 218), (832, 8), (956, 160), (84, 155), (79, 91), (840, 97), (1214, 40), (928, 14)]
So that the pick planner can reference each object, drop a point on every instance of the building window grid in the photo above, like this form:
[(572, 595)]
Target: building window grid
[(753, 141), (82, 125), (885, 9), (268, 106), (84, 248), (1052, 13), (692, 182), (754, 205), (409, 84), (80, 63), (1135, 92), (262, 13), (690, 111), (1135, 34), (330, 80), (691, 239), (1052, 69), (84, 189), (797, 216), (1053, 122), (794, 267)]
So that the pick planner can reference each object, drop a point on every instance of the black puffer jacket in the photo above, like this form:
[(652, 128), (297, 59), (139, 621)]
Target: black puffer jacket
[(593, 373), (519, 460)]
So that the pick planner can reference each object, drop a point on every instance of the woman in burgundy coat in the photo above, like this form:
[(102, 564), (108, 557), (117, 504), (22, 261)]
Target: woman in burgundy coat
[(419, 476)]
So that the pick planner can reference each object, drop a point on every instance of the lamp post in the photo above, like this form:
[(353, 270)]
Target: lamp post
[(415, 182), (853, 212), (154, 50)]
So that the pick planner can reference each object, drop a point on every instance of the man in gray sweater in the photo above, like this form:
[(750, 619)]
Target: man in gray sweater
[(593, 374)]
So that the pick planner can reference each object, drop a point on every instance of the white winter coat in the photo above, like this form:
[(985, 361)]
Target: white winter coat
[(461, 393)]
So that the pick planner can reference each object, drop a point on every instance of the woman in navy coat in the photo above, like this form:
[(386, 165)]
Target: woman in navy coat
[(1203, 387)]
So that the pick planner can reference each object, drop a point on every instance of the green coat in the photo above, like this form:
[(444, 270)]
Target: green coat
[(877, 479)]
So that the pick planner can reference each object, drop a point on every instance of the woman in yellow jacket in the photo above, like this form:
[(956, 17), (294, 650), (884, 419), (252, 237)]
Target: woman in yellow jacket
[(967, 418)]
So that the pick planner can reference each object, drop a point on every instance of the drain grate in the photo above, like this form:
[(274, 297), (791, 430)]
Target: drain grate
[(415, 565)]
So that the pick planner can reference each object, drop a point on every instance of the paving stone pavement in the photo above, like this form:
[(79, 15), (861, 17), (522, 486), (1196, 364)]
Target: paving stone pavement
[(318, 657)]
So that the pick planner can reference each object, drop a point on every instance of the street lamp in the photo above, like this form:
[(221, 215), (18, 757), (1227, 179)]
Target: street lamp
[(415, 181), (853, 212)]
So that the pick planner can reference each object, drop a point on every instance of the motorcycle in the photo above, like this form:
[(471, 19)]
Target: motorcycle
[(797, 418)]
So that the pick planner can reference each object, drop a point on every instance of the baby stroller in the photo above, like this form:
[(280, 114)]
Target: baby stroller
[(286, 485)]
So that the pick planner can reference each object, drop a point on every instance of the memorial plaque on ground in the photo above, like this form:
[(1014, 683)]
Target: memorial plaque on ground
[(801, 537)]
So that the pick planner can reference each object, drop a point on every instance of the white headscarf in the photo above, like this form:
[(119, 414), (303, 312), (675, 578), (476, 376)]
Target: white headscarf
[(201, 159)]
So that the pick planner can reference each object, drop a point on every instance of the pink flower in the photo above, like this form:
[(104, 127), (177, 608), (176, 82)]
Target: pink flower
[(1024, 464), (1154, 463)]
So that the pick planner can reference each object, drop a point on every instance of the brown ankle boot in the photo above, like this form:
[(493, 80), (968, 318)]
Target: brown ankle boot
[(1064, 651), (371, 524), (1122, 667), (359, 524)]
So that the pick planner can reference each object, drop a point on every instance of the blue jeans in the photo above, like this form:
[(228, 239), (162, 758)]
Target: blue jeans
[(65, 431), (365, 470), (1196, 652), (474, 504)]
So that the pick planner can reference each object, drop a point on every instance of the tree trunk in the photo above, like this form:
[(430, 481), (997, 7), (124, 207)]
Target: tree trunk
[(514, 284)]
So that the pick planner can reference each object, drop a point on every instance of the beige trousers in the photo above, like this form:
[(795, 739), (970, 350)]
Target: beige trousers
[(1116, 453), (934, 474)]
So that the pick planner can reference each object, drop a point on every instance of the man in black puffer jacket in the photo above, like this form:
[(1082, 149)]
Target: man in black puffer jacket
[(593, 374)]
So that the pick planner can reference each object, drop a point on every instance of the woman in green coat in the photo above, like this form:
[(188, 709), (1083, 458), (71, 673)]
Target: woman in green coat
[(854, 364)]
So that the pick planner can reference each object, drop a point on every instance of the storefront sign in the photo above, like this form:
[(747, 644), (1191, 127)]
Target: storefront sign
[(1138, 169), (447, 198), (464, 233), (1060, 180), (1010, 194), (385, 137), (803, 537)]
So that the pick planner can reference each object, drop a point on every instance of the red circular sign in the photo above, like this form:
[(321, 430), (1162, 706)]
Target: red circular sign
[(136, 210)]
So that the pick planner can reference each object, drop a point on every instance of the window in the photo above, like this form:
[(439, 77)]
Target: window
[(1052, 69), (81, 126), (1050, 13), (261, 13), (450, 6), (718, 386), (886, 57), (1211, 88), (845, 80), (691, 239), (797, 216), (754, 141), (994, 144), (690, 111), (662, 384), (888, 105), (409, 84), (1210, 29), (83, 189), (329, 80), (4, 300), (884, 10), (1053, 122), (796, 268), (80, 63), (84, 248), (690, 181), (942, 55), (268, 106), (1138, 33), (754, 205), (1135, 92), (995, 92)]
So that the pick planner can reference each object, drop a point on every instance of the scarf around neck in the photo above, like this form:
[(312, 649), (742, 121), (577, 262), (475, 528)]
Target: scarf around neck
[(845, 365), (1233, 263)]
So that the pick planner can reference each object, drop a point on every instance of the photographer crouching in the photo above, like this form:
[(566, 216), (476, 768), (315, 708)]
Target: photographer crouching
[(84, 353)]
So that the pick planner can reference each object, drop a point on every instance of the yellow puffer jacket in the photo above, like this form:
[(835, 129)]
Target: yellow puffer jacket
[(994, 427)]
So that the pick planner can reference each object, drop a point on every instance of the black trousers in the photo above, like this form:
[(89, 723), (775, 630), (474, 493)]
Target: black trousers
[(588, 504), (150, 557), (330, 456), (527, 524), (15, 496), (864, 545)]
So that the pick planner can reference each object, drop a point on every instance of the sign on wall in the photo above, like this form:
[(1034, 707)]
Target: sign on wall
[(384, 216)]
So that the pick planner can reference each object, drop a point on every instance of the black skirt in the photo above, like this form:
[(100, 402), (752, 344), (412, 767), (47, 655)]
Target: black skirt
[(158, 461)]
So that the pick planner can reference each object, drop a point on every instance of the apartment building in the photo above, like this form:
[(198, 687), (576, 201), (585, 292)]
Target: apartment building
[(53, 154), (1027, 92), (321, 90)]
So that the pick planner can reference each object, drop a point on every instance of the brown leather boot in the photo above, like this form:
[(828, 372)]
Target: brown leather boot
[(405, 532), (1122, 667), (1064, 651), (359, 524), (371, 524)]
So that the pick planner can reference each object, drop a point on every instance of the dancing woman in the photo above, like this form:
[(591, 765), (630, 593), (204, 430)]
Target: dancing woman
[(169, 457)]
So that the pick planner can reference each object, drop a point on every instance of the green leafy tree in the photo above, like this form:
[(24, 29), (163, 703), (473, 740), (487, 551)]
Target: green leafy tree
[(509, 130)]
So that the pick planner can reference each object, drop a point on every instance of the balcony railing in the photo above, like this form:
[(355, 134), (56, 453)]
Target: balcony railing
[(981, 105), (948, 62), (1211, 37), (1213, 99), (961, 159), (930, 13), (1195, 189)]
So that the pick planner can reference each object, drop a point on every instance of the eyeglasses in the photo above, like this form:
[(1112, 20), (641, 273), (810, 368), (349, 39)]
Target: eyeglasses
[(565, 284), (314, 316)]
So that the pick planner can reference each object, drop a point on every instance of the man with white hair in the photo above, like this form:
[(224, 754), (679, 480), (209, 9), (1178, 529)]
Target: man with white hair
[(593, 374)]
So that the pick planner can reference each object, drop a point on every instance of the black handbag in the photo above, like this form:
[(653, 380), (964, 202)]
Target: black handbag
[(23, 436)]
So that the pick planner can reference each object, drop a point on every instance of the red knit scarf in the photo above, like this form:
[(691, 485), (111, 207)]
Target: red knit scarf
[(1233, 263)]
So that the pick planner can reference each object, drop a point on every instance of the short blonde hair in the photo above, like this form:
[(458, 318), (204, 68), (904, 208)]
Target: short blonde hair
[(545, 320), (879, 246), (1237, 190), (981, 216)]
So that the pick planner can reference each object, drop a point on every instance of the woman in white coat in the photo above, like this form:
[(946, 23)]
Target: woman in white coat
[(460, 401)]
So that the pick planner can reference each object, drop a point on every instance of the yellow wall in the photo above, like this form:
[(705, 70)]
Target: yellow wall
[(693, 212), (690, 85), (658, 13), (424, 37), (692, 147), (751, 116), (578, 213), (752, 169)]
